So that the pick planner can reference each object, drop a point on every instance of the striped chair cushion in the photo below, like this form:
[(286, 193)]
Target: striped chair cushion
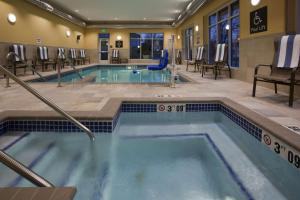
[(82, 53), (200, 51), (61, 53), (221, 53), (43, 53), (115, 53), (288, 52), (73, 53), (20, 50)]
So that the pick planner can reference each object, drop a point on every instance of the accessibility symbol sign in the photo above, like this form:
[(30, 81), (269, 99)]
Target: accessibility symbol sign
[(259, 20)]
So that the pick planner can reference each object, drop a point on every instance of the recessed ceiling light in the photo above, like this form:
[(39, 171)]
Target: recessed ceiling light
[(11, 18), (48, 6), (189, 6), (116, 18), (70, 17), (76, 11), (145, 18)]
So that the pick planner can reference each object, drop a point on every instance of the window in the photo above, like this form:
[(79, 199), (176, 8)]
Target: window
[(188, 43), (146, 45), (224, 27)]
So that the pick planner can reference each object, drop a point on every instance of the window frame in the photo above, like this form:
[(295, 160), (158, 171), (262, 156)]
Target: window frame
[(217, 23), (146, 38)]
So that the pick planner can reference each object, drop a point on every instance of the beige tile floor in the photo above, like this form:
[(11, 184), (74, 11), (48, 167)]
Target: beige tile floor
[(92, 97)]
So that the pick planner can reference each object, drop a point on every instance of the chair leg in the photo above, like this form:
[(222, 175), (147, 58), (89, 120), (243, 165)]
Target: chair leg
[(203, 70), (216, 72), (229, 70), (275, 87), (187, 66), (291, 97), (254, 87)]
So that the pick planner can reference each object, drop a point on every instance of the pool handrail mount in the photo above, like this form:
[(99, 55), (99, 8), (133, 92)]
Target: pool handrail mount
[(48, 102)]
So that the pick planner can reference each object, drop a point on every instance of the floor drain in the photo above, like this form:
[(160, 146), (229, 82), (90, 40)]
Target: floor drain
[(165, 95)]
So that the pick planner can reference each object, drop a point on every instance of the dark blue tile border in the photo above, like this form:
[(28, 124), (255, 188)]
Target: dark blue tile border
[(108, 126), (139, 107), (232, 173)]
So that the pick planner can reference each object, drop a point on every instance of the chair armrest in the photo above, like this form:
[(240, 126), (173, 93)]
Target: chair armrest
[(261, 65)]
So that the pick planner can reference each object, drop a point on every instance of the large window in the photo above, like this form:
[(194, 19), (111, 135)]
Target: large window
[(188, 43), (224, 27), (146, 45)]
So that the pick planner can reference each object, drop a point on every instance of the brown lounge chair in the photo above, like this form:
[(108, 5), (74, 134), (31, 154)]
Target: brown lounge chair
[(83, 57), (198, 60), (61, 57), (73, 57), (178, 58), (115, 58), (19, 60), (284, 70), (43, 58), (220, 63)]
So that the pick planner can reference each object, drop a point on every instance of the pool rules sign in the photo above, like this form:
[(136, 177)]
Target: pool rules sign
[(259, 20)]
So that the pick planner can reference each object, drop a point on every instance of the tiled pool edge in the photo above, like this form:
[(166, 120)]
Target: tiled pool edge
[(265, 131)]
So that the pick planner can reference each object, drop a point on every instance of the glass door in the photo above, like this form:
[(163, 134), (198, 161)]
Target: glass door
[(103, 49)]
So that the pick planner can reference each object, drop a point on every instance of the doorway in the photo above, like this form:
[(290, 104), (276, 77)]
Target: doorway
[(103, 50)]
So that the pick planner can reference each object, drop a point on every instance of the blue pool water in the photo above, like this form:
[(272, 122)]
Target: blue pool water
[(159, 156), (116, 74)]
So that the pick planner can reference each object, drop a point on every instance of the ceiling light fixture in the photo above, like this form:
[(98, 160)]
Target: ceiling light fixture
[(255, 2), (145, 18), (11, 18), (70, 16), (76, 11), (189, 6), (179, 17), (48, 7)]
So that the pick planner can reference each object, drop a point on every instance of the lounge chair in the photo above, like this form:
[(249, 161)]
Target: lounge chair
[(115, 58), (43, 58), (198, 59), (163, 62), (178, 59), (61, 58), (73, 57), (20, 61), (220, 63), (83, 57), (284, 69)]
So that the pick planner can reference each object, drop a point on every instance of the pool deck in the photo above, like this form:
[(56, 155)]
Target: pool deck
[(93, 97)]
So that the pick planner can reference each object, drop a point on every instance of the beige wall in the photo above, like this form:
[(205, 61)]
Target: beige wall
[(91, 36), (34, 23)]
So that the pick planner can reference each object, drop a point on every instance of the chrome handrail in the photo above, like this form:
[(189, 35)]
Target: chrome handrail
[(10, 54), (48, 102), (22, 170)]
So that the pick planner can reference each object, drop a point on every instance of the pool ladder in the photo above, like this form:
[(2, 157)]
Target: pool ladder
[(16, 165)]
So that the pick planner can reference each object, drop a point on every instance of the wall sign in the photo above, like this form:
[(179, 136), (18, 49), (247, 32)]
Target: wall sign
[(119, 44), (259, 20)]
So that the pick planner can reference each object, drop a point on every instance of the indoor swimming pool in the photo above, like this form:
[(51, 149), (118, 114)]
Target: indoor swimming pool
[(115, 74), (159, 156)]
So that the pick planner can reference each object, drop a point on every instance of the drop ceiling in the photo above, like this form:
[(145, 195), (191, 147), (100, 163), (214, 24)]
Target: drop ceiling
[(123, 10)]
